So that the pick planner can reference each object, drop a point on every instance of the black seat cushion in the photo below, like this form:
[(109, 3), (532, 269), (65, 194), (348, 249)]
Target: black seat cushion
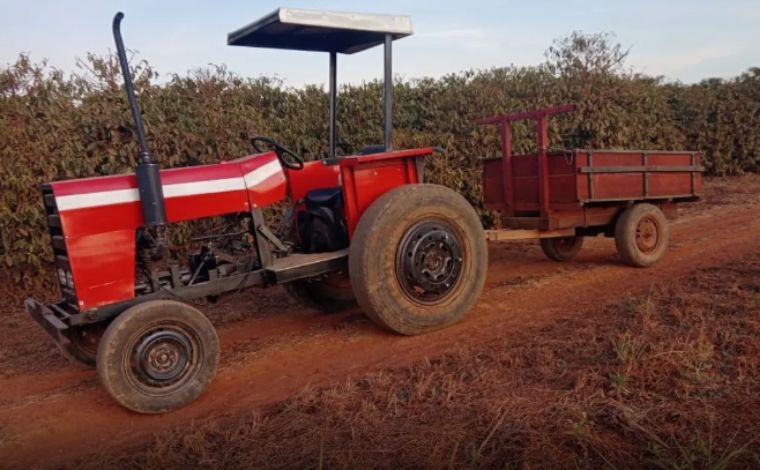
[(370, 149), (325, 197), (321, 226)]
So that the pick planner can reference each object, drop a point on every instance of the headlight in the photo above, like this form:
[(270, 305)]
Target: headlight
[(62, 276), (69, 280)]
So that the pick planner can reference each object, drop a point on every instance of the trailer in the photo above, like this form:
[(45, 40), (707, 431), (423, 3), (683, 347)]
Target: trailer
[(560, 196)]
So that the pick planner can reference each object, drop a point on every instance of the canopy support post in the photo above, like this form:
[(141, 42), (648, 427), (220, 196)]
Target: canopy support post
[(333, 91), (388, 91)]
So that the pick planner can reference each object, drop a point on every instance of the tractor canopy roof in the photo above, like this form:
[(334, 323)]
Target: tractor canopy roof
[(331, 32), (324, 31)]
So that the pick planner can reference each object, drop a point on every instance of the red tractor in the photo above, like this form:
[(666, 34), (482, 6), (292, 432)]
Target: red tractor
[(365, 226)]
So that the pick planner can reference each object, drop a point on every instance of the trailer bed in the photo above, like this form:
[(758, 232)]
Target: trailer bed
[(583, 178), (558, 189)]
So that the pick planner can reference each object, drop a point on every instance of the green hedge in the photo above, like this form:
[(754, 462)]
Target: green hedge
[(54, 126)]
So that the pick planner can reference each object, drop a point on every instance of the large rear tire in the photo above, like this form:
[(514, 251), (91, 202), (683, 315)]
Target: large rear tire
[(158, 356), (418, 259), (331, 293), (562, 248), (641, 235)]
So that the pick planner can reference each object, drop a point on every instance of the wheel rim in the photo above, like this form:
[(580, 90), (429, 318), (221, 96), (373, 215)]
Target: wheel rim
[(163, 359), (429, 261), (647, 234)]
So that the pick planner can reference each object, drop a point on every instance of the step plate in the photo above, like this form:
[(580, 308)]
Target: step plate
[(304, 265)]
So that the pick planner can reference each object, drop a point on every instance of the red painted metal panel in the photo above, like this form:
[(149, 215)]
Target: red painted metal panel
[(645, 180), (563, 189), (370, 181), (506, 167), (524, 165), (315, 175), (100, 216), (264, 179), (493, 185), (356, 159), (103, 267), (365, 178)]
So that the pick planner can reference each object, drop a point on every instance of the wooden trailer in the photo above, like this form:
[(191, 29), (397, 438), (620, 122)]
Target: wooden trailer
[(560, 196)]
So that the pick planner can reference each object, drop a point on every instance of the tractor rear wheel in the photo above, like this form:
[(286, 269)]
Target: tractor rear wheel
[(331, 293), (641, 235), (418, 259), (82, 348), (561, 248), (158, 356)]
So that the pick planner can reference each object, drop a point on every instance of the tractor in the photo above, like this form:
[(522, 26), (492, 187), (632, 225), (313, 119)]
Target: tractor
[(361, 228)]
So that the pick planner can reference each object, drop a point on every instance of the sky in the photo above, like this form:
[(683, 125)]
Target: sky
[(680, 40)]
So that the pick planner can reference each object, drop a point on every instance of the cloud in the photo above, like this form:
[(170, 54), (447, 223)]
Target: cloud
[(674, 63)]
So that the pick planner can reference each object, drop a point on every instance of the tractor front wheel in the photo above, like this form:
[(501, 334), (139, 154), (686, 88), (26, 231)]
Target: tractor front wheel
[(158, 356), (418, 259)]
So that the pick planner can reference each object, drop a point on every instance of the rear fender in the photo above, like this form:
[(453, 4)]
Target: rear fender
[(366, 178)]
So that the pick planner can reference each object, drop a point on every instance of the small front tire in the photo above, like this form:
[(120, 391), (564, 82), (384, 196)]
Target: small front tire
[(158, 356)]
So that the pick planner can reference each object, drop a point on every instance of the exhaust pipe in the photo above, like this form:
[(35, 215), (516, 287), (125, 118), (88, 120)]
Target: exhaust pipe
[(147, 170)]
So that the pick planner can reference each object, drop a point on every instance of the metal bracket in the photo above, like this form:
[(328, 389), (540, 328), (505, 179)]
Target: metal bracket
[(272, 238)]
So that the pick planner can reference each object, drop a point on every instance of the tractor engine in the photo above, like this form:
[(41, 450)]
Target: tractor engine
[(201, 259)]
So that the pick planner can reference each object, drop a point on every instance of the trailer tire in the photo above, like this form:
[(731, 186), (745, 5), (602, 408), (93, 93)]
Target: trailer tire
[(158, 356), (562, 248), (331, 294), (641, 235), (418, 259)]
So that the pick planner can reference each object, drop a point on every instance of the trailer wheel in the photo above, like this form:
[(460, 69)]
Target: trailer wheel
[(82, 348), (330, 294), (561, 248), (158, 356), (641, 235), (418, 259)]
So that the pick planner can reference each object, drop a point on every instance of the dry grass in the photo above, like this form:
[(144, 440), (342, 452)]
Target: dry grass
[(667, 379)]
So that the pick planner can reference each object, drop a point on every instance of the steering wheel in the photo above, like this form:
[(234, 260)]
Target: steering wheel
[(294, 162)]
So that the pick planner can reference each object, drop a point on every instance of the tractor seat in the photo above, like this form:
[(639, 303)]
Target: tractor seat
[(329, 197), (368, 150)]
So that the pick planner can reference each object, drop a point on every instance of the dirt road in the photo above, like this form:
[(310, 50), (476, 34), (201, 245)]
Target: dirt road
[(50, 415)]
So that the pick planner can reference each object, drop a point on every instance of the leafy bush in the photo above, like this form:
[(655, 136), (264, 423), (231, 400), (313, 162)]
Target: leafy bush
[(54, 126)]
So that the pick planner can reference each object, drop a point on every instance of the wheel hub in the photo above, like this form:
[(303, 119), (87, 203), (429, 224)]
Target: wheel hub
[(162, 357), (647, 235), (429, 261)]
